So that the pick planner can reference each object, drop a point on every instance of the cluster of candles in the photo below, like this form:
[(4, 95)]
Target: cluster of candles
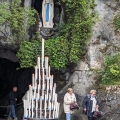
[(40, 101)]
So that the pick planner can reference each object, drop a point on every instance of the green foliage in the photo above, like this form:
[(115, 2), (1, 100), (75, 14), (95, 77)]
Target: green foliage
[(69, 45), (54, 48), (111, 72), (14, 18), (79, 20), (116, 22)]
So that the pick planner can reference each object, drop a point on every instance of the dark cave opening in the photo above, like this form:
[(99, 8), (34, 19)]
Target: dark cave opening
[(9, 77)]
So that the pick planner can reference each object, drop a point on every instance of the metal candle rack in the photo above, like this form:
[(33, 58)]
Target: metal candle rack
[(40, 101)]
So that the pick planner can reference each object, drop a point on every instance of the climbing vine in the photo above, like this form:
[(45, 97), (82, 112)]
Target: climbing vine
[(111, 70), (14, 19), (116, 21), (69, 45)]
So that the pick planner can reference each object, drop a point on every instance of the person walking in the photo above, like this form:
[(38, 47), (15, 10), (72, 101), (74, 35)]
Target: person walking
[(12, 100), (90, 104), (69, 98)]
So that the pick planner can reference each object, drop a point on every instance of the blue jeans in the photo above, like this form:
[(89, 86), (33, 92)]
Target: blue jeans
[(12, 111), (68, 116)]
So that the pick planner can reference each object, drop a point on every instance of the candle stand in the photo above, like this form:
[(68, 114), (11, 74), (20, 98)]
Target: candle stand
[(40, 101)]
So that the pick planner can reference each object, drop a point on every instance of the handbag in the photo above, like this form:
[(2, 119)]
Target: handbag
[(97, 114), (74, 106)]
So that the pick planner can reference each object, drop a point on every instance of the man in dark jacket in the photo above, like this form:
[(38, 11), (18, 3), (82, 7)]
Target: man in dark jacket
[(90, 104), (12, 100)]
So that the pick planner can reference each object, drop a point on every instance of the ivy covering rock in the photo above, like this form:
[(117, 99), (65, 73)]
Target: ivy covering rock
[(69, 45)]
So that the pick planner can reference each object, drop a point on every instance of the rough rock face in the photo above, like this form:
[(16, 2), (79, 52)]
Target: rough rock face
[(109, 98), (104, 41)]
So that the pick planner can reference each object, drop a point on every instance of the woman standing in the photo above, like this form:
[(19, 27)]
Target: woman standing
[(90, 104), (69, 98)]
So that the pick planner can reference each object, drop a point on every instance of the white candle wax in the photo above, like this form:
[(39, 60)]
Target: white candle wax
[(38, 94), (53, 114), (52, 105), (25, 110), (46, 62), (42, 94), (42, 52), (47, 87), (40, 107), (32, 108), (49, 71), (49, 103), (43, 84), (58, 109), (27, 95), (30, 92), (45, 107), (49, 114), (51, 83), (38, 87), (36, 73), (55, 86), (29, 111), (33, 80), (53, 94), (38, 62), (56, 112), (50, 95), (49, 109), (34, 93), (36, 108)]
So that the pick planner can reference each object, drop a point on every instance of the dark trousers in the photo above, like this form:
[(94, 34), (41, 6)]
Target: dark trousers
[(91, 118)]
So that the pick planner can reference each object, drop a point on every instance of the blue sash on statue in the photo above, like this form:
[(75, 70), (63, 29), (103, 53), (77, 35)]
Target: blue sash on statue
[(47, 12)]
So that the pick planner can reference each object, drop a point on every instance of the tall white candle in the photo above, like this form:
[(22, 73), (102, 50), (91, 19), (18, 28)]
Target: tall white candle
[(56, 112), (53, 114), (53, 94), (36, 73), (39, 78), (55, 86), (49, 71), (46, 62), (32, 108), (50, 95), (51, 82), (29, 110), (49, 103), (30, 92), (47, 88), (38, 94), (49, 114), (35, 93), (36, 108), (33, 80), (58, 109), (43, 84), (42, 53), (49, 110), (42, 94), (25, 109), (45, 107), (27, 95), (38, 62), (40, 107)]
